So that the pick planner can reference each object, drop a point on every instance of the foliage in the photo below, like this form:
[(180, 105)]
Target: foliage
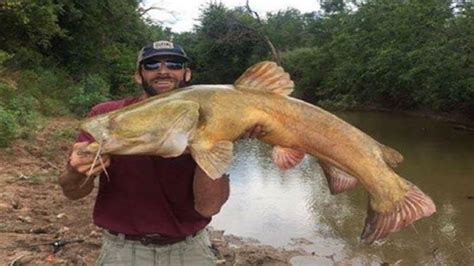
[(3, 57), (395, 54), (225, 43), (8, 127), (308, 66), (47, 87), (333, 6), (27, 29), (58, 56), (89, 92), (286, 29), (22, 110)]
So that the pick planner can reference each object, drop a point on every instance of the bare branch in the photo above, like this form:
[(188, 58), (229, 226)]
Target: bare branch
[(247, 5), (157, 18), (142, 11), (275, 52)]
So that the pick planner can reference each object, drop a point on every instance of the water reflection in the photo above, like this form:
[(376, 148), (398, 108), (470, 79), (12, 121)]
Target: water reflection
[(276, 207)]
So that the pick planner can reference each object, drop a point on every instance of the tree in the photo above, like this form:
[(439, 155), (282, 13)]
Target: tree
[(27, 30), (226, 44), (286, 29), (333, 6)]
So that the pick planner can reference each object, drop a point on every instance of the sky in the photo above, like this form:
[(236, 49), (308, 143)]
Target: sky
[(181, 15)]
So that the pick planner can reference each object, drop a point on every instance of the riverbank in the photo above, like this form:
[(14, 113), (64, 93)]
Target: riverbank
[(458, 120)]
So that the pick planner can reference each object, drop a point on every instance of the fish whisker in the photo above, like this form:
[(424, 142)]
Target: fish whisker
[(97, 157), (103, 167), (414, 228)]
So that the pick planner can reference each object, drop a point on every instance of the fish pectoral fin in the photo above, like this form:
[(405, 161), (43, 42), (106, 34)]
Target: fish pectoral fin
[(265, 76), (286, 158), (213, 159), (174, 145), (338, 180), (413, 206)]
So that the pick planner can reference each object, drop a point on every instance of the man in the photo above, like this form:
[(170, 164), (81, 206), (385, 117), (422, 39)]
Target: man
[(153, 210)]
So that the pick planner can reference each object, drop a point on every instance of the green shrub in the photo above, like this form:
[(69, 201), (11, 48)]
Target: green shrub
[(54, 107), (308, 67), (340, 102), (8, 127), (22, 108), (4, 56), (91, 90), (50, 89), (120, 68)]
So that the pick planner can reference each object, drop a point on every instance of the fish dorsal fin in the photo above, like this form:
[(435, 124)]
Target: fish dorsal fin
[(286, 158), (338, 180), (214, 159), (265, 76)]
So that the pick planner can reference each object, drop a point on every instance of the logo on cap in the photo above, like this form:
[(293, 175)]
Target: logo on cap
[(163, 45)]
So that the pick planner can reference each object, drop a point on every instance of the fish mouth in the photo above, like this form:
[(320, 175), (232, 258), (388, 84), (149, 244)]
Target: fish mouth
[(96, 128)]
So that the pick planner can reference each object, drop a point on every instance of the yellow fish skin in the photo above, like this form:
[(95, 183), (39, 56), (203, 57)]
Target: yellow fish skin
[(207, 119)]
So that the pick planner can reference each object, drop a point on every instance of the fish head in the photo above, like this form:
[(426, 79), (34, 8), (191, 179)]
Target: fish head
[(158, 127)]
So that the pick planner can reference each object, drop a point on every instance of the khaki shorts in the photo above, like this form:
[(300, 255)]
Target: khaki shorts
[(193, 251)]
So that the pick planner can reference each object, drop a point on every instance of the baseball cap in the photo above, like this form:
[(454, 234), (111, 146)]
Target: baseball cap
[(162, 48)]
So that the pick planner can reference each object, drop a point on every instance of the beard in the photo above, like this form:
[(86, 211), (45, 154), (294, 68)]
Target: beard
[(151, 91), (159, 84)]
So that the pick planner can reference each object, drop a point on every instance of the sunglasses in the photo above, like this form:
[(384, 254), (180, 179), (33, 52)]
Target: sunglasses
[(155, 65)]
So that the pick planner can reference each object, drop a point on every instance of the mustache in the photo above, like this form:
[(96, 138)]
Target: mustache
[(162, 76)]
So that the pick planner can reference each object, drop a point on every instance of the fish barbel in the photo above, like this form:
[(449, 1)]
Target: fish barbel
[(207, 119)]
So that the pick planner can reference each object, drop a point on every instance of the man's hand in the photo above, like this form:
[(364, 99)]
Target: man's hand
[(77, 181), (254, 131), (81, 162)]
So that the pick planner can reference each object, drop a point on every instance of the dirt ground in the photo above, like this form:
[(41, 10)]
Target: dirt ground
[(38, 225)]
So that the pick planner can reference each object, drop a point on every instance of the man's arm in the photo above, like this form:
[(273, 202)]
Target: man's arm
[(77, 181), (209, 195)]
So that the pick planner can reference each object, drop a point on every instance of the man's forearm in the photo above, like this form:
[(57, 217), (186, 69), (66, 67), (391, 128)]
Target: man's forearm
[(209, 195), (72, 184)]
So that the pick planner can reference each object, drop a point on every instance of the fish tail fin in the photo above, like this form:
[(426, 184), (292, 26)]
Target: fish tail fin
[(414, 206), (338, 180), (391, 156)]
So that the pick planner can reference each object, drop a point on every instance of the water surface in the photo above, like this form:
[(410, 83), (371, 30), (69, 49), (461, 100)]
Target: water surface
[(278, 208)]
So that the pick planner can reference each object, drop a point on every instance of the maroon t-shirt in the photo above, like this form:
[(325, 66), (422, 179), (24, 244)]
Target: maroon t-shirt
[(146, 194)]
